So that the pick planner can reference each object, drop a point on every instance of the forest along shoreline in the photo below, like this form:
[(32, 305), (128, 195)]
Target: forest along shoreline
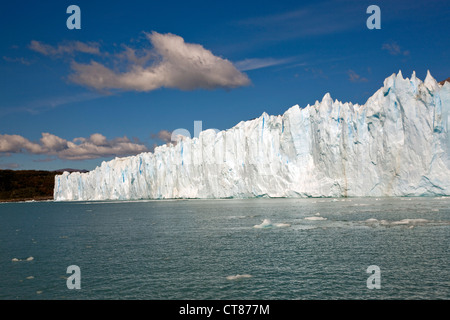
[(28, 185)]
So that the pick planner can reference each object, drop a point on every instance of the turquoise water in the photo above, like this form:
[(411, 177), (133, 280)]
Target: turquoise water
[(192, 249)]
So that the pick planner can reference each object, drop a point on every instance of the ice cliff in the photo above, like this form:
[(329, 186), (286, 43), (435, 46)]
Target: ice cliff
[(396, 144)]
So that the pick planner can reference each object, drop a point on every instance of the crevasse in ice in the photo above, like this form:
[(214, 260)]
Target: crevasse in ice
[(396, 144)]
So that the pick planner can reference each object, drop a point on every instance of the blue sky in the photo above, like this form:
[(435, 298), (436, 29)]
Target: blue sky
[(137, 70)]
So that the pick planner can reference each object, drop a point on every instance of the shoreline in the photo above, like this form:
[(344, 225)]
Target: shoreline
[(37, 199)]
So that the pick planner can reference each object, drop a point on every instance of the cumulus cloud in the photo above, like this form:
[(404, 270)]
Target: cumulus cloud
[(98, 146), (16, 144), (65, 48), (95, 146), (171, 63), (165, 136), (52, 142)]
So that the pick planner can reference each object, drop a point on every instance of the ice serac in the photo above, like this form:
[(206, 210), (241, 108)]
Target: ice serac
[(396, 144)]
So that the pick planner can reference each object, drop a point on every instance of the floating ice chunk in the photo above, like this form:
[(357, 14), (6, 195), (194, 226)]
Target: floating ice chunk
[(27, 259), (265, 224), (409, 221), (239, 276), (403, 222), (282, 225), (268, 224), (315, 218)]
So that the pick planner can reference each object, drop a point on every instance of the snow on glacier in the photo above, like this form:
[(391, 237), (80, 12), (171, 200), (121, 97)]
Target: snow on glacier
[(396, 144)]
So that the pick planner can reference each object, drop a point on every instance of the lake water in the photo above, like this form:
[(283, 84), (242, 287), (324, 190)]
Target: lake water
[(312, 249)]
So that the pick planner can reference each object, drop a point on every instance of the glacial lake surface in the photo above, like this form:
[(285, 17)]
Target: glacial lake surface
[(264, 249)]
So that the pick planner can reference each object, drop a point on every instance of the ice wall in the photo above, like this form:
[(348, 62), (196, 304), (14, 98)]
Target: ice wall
[(397, 144)]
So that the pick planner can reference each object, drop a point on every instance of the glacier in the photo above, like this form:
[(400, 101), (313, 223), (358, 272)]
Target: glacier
[(396, 144)]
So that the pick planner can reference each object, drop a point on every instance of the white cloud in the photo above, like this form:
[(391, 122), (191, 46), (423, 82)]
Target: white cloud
[(19, 60), (259, 63), (164, 135), (65, 48), (354, 77), (95, 146), (52, 142), (394, 49), (16, 144), (175, 64)]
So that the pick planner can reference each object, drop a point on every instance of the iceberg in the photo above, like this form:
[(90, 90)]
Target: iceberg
[(404, 222), (265, 224), (268, 224), (396, 144), (315, 218), (239, 276)]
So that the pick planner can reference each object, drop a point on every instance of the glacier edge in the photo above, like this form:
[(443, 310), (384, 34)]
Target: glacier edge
[(396, 144)]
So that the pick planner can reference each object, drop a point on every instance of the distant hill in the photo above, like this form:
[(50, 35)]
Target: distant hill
[(443, 81), (24, 185), (70, 170)]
